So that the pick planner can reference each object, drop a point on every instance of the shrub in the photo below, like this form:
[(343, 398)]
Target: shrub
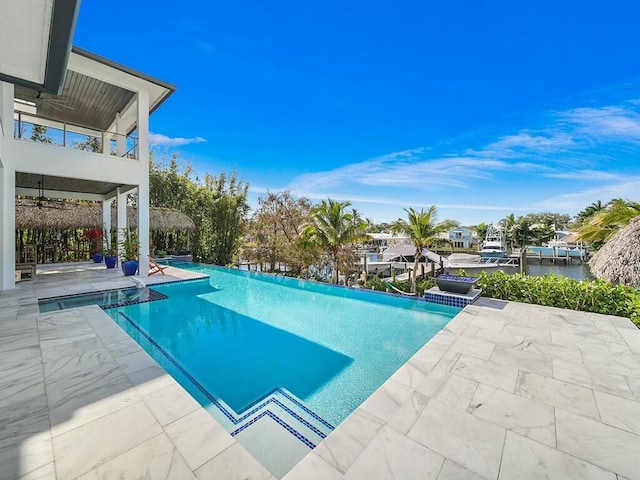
[(375, 283), (596, 296)]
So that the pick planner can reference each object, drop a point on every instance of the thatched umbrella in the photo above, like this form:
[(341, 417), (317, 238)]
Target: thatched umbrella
[(618, 261), (61, 216)]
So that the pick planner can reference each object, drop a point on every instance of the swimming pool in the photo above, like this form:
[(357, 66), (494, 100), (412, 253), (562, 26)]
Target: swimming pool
[(279, 361)]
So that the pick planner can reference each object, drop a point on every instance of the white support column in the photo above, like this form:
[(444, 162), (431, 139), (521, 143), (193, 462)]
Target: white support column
[(143, 182), (121, 137), (106, 223), (121, 220), (7, 191)]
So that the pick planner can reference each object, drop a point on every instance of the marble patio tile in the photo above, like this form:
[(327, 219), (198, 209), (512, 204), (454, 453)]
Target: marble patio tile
[(341, 448), (442, 341), (634, 386), (124, 347), (155, 458), (620, 322), (620, 363), (531, 334), (457, 392), (23, 356), (92, 444), (523, 360), (560, 352), (452, 471), (467, 440), (136, 361), (386, 400), (459, 324), (46, 472), (499, 338), (225, 466), (412, 373), (15, 324), (524, 458), (18, 341), (21, 383), (474, 347), (392, 455), (79, 363), (513, 412), (313, 467), (439, 374), (198, 437), (52, 351), (486, 322), (171, 403), (579, 374), (88, 398), (150, 379), (487, 372), (23, 418), (556, 393), (28, 457), (409, 411), (599, 444), (619, 412)]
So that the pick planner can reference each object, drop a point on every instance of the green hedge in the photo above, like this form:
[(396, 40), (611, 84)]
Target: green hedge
[(596, 296)]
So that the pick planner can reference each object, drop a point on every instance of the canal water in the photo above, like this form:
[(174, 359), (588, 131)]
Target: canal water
[(578, 271)]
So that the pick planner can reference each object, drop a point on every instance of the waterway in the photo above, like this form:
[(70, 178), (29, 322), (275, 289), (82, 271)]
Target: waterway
[(579, 271)]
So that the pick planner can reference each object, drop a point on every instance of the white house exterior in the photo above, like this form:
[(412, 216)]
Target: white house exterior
[(99, 99), (462, 237)]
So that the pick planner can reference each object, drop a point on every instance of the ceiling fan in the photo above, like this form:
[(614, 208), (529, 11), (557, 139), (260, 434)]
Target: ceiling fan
[(55, 102), (42, 201)]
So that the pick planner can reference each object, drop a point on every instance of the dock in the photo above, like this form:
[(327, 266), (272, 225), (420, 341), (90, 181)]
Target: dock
[(553, 257)]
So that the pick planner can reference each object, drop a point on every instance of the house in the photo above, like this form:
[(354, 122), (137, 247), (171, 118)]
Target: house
[(78, 97), (462, 237)]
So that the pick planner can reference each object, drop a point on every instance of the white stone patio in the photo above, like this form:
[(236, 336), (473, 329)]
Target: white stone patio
[(505, 391)]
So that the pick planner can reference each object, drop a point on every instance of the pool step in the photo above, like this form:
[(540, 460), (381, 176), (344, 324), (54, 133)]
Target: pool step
[(290, 413)]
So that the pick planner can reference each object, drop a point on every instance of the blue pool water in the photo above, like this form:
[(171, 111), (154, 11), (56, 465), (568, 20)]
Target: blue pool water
[(313, 352)]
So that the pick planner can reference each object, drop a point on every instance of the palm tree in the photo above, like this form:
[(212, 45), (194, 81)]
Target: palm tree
[(334, 230), (604, 224), (590, 211), (422, 230)]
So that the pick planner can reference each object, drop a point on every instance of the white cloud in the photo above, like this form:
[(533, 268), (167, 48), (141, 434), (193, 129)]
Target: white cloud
[(604, 123), (159, 139)]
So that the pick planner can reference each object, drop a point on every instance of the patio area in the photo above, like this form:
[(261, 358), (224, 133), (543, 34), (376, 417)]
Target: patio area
[(505, 391)]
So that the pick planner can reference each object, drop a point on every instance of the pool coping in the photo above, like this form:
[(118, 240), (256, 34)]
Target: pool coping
[(443, 378)]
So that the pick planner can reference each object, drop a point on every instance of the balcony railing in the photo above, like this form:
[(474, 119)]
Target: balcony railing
[(31, 128)]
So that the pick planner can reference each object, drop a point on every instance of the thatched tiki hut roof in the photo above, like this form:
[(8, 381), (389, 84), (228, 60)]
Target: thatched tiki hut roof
[(61, 216), (618, 261)]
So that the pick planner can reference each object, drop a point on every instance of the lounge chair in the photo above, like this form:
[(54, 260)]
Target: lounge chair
[(154, 267)]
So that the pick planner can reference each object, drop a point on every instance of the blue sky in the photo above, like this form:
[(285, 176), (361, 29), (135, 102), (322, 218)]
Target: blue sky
[(483, 108)]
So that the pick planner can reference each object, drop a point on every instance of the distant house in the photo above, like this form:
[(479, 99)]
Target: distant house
[(462, 237)]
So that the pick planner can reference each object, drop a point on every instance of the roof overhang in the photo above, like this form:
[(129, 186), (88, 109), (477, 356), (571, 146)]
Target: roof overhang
[(35, 40)]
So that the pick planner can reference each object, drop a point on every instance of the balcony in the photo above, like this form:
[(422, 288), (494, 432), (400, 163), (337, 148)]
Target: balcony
[(31, 128)]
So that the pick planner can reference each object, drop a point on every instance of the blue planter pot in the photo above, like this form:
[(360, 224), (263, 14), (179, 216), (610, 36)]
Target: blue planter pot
[(130, 267), (97, 257), (110, 261)]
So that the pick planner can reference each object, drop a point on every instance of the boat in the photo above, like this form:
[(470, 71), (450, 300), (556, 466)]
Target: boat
[(474, 264), (559, 248), (493, 245)]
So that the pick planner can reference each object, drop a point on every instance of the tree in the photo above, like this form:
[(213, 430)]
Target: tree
[(274, 230), (335, 231), (217, 205), (90, 144), (423, 231), (39, 134), (589, 212), (605, 223)]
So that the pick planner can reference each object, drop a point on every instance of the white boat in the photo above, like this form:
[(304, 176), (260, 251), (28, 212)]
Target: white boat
[(474, 264), (559, 248), (493, 245)]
